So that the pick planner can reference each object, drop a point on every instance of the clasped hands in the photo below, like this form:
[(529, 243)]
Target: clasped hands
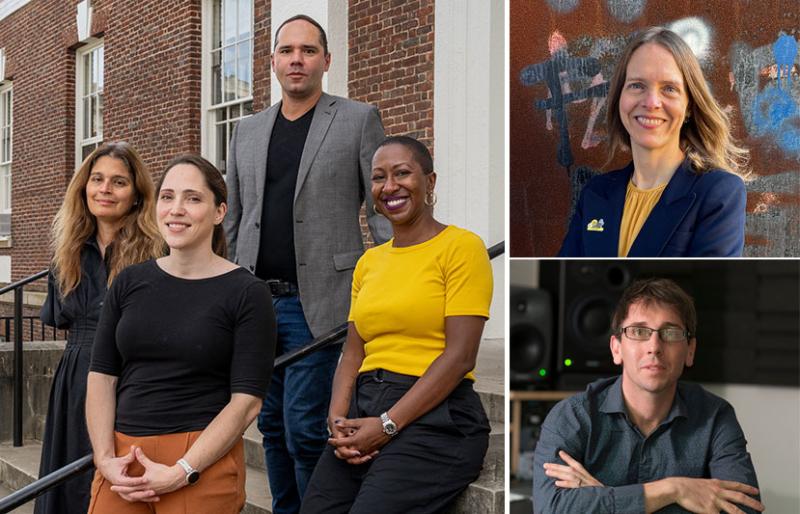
[(157, 479), (699, 495), (358, 440)]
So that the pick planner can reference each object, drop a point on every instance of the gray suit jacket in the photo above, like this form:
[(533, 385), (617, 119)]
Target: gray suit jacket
[(332, 181)]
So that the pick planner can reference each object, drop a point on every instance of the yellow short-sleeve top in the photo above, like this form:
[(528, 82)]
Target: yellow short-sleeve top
[(639, 204), (401, 297)]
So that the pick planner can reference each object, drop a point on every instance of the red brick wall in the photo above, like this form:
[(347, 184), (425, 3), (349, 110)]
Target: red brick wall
[(262, 48), (391, 63)]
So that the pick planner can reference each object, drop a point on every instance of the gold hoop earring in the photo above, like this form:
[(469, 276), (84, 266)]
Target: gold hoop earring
[(430, 199)]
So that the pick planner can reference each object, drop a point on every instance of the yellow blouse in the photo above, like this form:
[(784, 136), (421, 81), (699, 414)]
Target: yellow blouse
[(638, 205)]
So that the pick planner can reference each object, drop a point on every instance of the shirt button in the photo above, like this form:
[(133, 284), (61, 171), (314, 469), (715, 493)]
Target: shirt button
[(298, 221), (258, 224), (252, 268)]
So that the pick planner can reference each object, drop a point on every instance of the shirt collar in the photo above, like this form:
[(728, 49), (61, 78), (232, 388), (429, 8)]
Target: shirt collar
[(614, 403)]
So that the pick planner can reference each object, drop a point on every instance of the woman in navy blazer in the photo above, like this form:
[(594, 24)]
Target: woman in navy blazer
[(661, 110)]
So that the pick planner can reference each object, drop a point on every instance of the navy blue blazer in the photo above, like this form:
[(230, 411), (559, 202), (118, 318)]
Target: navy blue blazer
[(698, 215)]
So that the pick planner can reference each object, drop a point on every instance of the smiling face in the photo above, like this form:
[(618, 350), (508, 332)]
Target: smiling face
[(299, 60), (399, 186), (651, 366), (653, 103), (109, 191), (186, 210)]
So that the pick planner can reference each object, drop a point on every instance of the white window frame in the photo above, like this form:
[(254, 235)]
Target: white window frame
[(6, 109), (209, 110), (80, 56)]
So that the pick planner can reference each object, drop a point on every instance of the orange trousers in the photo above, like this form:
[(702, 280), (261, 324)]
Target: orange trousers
[(220, 489)]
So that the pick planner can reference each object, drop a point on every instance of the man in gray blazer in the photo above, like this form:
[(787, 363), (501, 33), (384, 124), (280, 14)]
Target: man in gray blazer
[(297, 175)]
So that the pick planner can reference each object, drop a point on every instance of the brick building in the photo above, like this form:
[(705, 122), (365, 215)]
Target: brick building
[(173, 76)]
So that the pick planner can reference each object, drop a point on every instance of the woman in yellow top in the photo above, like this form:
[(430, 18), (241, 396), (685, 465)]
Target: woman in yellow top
[(682, 194), (408, 431)]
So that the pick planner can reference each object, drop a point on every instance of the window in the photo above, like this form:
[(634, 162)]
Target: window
[(6, 138), (89, 100), (229, 73)]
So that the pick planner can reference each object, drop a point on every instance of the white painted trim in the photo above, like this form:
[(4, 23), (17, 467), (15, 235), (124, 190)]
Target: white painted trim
[(207, 150), (83, 19), (469, 126), (8, 7), (2, 64)]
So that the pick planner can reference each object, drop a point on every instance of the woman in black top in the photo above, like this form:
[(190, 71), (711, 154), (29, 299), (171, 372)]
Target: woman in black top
[(181, 361), (106, 223)]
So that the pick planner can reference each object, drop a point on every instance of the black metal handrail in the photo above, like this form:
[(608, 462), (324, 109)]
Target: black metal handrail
[(44, 330), (31, 491), (17, 287)]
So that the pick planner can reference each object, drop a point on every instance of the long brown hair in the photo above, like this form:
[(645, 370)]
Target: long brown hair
[(706, 137), (136, 240), (215, 183)]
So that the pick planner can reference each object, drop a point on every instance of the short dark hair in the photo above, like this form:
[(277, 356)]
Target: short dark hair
[(420, 152), (323, 38), (660, 291), (215, 182)]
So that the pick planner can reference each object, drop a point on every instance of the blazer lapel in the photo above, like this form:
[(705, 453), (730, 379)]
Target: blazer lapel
[(320, 123), (261, 147), (606, 207), (667, 214)]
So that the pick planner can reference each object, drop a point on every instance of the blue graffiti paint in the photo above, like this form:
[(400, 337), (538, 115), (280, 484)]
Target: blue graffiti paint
[(785, 51), (549, 72), (776, 113), (563, 6), (773, 106)]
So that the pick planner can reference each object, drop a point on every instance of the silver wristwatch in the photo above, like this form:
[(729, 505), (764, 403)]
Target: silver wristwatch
[(389, 426), (192, 475)]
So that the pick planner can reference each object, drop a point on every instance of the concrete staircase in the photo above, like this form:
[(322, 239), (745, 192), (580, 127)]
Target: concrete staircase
[(19, 466)]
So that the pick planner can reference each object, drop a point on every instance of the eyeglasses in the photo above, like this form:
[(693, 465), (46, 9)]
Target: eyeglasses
[(666, 334)]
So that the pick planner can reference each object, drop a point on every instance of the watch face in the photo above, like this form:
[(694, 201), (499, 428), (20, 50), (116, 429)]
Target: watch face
[(193, 477), (390, 428)]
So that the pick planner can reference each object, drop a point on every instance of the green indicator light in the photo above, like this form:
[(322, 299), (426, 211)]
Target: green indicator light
[(542, 372), (567, 362)]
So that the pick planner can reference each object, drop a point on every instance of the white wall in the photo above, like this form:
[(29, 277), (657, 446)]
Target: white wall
[(332, 15), (9, 6), (770, 418), (469, 127)]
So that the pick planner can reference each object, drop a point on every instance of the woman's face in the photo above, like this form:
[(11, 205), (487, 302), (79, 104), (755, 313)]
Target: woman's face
[(654, 102), (186, 210), (109, 191), (399, 185)]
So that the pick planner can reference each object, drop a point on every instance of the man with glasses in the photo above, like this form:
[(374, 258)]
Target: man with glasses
[(644, 441)]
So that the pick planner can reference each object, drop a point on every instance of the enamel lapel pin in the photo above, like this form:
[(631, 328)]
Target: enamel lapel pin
[(595, 225)]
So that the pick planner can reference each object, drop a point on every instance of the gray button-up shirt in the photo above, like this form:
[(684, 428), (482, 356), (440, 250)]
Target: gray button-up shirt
[(700, 438)]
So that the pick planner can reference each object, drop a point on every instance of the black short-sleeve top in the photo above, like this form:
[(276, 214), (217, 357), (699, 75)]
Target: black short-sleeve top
[(181, 347)]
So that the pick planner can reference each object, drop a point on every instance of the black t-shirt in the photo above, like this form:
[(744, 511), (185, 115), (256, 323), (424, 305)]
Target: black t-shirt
[(276, 258), (181, 347)]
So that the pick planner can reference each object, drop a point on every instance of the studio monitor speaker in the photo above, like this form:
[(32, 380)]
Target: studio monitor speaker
[(531, 323)]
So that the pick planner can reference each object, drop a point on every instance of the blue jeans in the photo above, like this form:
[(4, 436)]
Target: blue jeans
[(293, 418)]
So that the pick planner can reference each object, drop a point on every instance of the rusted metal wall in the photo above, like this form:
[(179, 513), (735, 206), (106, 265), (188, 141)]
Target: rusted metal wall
[(564, 51)]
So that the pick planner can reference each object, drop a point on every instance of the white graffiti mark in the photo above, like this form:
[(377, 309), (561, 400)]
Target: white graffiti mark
[(590, 139), (626, 10), (563, 6), (696, 33)]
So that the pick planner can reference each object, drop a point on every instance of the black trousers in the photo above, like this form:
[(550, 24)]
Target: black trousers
[(421, 470)]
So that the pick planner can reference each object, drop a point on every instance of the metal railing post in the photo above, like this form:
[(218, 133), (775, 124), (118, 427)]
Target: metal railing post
[(18, 367)]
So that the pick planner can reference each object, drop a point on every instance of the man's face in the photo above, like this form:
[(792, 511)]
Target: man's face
[(652, 366), (299, 60)]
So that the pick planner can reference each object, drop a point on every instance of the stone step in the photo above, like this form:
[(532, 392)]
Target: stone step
[(25, 509), (19, 467)]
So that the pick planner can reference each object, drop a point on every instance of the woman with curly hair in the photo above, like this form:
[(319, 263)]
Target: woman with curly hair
[(106, 223)]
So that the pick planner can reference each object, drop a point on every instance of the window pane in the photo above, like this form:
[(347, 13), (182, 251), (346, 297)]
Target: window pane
[(100, 114), (92, 116), (87, 74), (87, 115), (243, 70), (245, 7), (216, 81), (216, 25), (229, 21), (247, 108), (94, 74), (228, 67), (234, 111), (222, 146), (86, 150)]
